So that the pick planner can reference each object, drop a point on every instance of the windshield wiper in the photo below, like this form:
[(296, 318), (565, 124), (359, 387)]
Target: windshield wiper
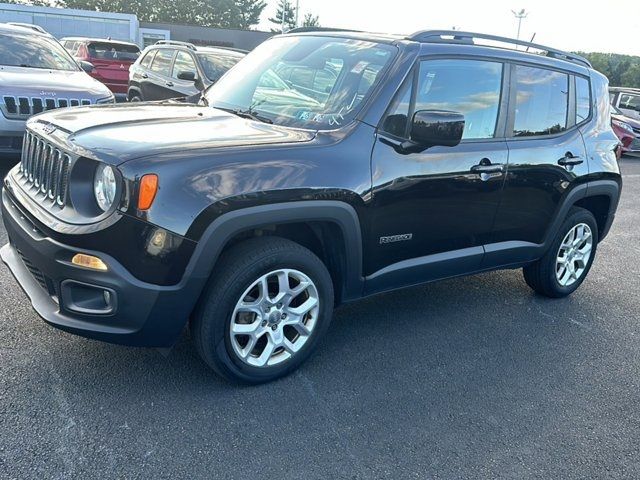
[(247, 114)]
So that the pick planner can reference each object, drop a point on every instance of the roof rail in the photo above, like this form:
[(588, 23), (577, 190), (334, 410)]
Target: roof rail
[(466, 38), (190, 46), (30, 26), (319, 29)]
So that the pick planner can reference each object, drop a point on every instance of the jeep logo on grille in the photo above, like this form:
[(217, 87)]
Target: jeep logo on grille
[(47, 94), (48, 128)]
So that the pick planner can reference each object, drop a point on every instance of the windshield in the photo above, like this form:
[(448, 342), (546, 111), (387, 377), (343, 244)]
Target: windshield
[(303, 81), (34, 51), (113, 51), (215, 65)]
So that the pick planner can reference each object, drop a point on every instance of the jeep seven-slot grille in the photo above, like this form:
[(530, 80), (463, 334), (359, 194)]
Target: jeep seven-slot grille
[(24, 107), (45, 168)]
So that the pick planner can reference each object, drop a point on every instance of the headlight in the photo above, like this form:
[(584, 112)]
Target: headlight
[(624, 126), (104, 186)]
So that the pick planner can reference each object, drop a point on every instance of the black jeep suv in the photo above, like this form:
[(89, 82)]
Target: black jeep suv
[(251, 215)]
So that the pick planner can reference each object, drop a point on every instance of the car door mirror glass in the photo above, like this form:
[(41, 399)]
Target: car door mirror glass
[(431, 128), (87, 66), (187, 76)]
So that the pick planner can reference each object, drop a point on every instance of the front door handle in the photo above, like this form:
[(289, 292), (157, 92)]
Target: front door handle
[(485, 166), (169, 84), (570, 159), (144, 75)]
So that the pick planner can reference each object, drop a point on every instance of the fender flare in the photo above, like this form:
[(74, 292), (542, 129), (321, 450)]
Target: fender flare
[(224, 228)]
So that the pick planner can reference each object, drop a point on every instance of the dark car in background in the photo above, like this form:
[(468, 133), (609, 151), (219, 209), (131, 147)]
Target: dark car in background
[(37, 74), (111, 60), (171, 69), (627, 129)]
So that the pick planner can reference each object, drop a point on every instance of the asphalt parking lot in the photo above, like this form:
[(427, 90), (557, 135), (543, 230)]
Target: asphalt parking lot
[(469, 378)]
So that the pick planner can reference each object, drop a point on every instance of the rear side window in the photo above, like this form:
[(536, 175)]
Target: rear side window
[(470, 87), (162, 62), (146, 61), (583, 99), (542, 102)]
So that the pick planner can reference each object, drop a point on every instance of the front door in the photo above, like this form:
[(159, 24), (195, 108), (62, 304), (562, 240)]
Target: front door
[(434, 210)]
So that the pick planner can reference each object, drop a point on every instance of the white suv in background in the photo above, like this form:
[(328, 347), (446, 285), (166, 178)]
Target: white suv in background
[(37, 74)]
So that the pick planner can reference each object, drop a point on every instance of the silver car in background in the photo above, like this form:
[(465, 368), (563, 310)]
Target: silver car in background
[(37, 74)]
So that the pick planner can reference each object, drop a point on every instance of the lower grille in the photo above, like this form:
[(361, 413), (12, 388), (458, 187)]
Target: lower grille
[(36, 273), (46, 168), (24, 107)]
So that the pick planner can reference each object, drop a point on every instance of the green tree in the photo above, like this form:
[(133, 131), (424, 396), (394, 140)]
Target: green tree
[(631, 77), (287, 12), (249, 12), (311, 20)]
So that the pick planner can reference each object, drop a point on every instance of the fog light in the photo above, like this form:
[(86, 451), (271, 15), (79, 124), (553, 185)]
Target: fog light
[(89, 261)]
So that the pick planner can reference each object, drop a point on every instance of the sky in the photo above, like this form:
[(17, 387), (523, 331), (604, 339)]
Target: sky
[(610, 26)]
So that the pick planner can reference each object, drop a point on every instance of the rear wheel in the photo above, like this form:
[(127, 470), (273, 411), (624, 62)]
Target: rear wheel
[(566, 264), (264, 311), (135, 97)]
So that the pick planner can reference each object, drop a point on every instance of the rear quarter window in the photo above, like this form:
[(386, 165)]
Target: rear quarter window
[(583, 99)]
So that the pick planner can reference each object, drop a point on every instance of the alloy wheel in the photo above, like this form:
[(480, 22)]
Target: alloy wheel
[(574, 254), (274, 318)]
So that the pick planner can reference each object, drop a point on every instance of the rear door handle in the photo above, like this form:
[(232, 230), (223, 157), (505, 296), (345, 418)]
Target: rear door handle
[(169, 84), (485, 166), (570, 159), (144, 75)]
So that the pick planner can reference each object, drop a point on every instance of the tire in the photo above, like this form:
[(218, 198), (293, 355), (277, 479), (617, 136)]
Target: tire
[(548, 276), (220, 313), (135, 98)]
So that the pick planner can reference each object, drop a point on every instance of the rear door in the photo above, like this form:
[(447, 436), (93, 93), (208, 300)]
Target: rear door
[(159, 84), (546, 155)]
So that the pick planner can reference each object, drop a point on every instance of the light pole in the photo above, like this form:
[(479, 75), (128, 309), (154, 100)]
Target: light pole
[(297, 12), (520, 15)]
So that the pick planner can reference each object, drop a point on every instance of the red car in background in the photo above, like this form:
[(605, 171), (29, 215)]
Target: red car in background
[(111, 60), (627, 129)]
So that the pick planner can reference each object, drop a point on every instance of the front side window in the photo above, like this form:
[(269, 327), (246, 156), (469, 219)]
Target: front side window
[(470, 87), (631, 102), (183, 63), (162, 62), (542, 102), (304, 81), (583, 99), (34, 51)]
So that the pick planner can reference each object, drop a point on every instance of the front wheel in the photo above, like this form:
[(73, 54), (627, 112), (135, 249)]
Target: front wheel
[(567, 262), (265, 309)]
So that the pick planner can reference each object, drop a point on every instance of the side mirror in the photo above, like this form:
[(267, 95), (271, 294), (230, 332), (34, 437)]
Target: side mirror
[(431, 128), (87, 66), (187, 76)]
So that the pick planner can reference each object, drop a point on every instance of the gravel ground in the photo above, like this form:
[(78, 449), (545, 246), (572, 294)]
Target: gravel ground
[(468, 378)]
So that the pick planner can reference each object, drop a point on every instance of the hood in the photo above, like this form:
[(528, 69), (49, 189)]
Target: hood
[(37, 82), (635, 124), (119, 133)]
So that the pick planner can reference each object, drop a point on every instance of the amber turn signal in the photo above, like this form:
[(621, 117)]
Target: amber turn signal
[(89, 261), (148, 190)]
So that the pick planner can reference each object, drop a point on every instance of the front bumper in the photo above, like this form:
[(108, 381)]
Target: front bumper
[(142, 314)]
